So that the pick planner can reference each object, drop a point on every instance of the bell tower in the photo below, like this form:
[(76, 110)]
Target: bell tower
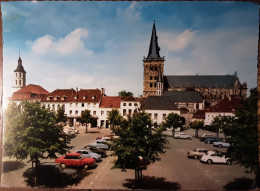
[(19, 76), (153, 65)]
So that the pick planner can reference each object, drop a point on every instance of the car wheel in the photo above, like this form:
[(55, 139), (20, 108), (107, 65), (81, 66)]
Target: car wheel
[(195, 157), (229, 162), (208, 142), (188, 138), (220, 145), (178, 137), (63, 165), (85, 166), (209, 161)]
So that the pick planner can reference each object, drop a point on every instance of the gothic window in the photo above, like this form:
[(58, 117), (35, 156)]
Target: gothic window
[(151, 85), (154, 84), (155, 68), (155, 77), (151, 77), (151, 68)]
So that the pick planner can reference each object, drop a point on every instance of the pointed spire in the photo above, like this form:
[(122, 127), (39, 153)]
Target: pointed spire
[(154, 48)]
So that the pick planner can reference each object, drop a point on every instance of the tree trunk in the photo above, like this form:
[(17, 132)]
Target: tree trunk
[(86, 128), (196, 133)]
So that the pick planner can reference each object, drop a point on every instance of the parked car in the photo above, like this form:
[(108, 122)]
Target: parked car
[(211, 140), (205, 136), (181, 136), (216, 158), (101, 152), (51, 173), (197, 153), (90, 154), (99, 145), (76, 160), (222, 143)]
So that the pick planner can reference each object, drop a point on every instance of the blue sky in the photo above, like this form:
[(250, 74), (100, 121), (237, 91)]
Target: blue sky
[(102, 44)]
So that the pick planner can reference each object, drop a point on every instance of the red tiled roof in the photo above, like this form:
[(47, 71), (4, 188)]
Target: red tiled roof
[(226, 105), (59, 95), (200, 114), (29, 92), (110, 102), (128, 98), (86, 95)]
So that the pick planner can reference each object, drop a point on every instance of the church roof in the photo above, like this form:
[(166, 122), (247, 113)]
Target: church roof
[(196, 81), (184, 96), (110, 102), (159, 103), (19, 67), (31, 88)]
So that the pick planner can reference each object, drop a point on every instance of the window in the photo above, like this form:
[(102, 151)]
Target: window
[(94, 104), (107, 113), (124, 104), (135, 111), (94, 97), (88, 104), (151, 68), (20, 75), (94, 112), (155, 116), (130, 112), (124, 112), (164, 116), (85, 97), (20, 82), (82, 105), (70, 104), (151, 85), (76, 104), (150, 115), (76, 97), (16, 74), (102, 113), (130, 104), (197, 106), (15, 82), (70, 112), (151, 77), (135, 104), (76, 112)]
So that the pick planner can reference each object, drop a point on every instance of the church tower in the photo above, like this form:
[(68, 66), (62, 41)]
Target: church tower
[(159, 84), (19, 76), (153, 63)]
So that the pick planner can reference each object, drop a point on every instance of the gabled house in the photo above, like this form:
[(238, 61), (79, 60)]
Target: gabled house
[(225, 107), (58, 98), (107, 104), (159, 107), (129, 105)]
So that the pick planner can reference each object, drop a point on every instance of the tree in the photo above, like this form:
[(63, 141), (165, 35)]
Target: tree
[(197, 125), (125, 93), (86, 118), (61, 117), (241, 132), (173, 120), (217, 124), (115, 119), (138, 141), (32, 131)]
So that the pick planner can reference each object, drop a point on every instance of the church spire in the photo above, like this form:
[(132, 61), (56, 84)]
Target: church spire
[(154, 48), (19, 67)]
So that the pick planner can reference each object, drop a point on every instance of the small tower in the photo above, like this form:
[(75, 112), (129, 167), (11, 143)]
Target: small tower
[(152, 63), (19, 76), (159, 84)]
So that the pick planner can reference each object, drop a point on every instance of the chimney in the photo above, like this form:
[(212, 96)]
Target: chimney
[(102, 91)]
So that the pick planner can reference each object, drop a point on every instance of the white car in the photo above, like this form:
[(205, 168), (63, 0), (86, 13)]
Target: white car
[(182, 136), (215, 157)]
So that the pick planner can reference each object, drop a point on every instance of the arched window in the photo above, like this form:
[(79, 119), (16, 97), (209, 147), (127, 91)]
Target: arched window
[(151, 85), (151, 68), (151, 77)]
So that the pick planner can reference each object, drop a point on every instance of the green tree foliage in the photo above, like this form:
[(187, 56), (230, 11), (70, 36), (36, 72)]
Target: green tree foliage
[(61, 118), (241, 131), (115, 119), (32, 131), (137, 138), (217, 124), (86, 118), (125, 93), (197, 125), (173, 120)]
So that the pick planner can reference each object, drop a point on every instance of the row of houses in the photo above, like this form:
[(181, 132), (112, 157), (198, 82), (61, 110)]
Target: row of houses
[(188, 104)]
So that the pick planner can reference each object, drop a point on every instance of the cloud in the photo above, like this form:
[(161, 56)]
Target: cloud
[(176, 42), (71, 44)]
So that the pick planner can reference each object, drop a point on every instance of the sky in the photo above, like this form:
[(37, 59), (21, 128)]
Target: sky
[(90, 44)]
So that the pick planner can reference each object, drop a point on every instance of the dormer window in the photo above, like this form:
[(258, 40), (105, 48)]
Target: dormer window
[(76, 97), (57, 98), (94, 97), (85, 97), (49, 98)]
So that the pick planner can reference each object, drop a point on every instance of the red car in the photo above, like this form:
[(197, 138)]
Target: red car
[(76, 160)]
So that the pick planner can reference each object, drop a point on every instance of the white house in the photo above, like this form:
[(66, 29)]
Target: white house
[(225, 107), (159, 107), (129, 105)]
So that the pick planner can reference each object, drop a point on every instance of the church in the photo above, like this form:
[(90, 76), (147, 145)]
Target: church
[(212, 88)]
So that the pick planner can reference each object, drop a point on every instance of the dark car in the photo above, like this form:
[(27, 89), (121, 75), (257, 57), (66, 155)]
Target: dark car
[(205, 136), (97, 150), (211, 140), (51, 173)]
